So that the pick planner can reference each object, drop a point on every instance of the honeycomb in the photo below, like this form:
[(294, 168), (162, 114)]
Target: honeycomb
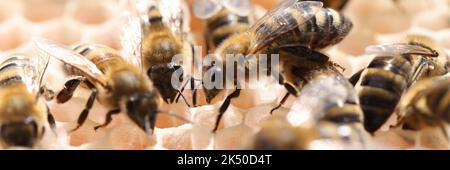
[(83, 21)]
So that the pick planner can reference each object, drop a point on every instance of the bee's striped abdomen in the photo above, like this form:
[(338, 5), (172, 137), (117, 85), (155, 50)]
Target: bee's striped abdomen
[(326, 28), (12, 71), (382, 85), (349, 113), (101, 56), (224, 25)]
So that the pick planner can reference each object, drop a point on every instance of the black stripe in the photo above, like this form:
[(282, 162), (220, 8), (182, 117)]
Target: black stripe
[(374, 118), (8, 66), (390, 63), (217, 40), (344, 118), (85, 49), (435, 101), (11, 80), (155, 19), (225, 20), (374, 100), (379, 81)]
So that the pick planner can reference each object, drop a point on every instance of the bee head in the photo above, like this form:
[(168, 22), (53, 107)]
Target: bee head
[(19, 133), (142, 109), (162, 79)]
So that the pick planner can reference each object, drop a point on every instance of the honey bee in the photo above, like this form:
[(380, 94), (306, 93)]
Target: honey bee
[(425, 105), (333, 104), (394, 69), (23, 117), (278, 134), (223, 19), (157, 31), (114, 82), (294, 28)]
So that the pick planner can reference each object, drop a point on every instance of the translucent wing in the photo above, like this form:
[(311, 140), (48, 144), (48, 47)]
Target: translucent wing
[(389, 49), (68, 56), (131, 39), (175, 15), (239, 7), (322, 93), (204, 9), (288, 16)]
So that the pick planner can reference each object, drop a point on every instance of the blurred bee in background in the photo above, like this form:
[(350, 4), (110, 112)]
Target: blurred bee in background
[(394, 69), (278, 134), (114, 82), (332, 103), (23, 117), (294, 28), (223, 19), (157, 31), (426, 105)]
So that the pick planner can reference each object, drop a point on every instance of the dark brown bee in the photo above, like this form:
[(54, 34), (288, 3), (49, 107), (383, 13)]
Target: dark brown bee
[(114, 82), (391, 73), (22, 115), (223, 19), (294, 27)]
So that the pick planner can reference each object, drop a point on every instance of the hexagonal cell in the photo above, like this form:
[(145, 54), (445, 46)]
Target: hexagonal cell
[(12, 37), (63, 31), (43, 10), (91, 12)]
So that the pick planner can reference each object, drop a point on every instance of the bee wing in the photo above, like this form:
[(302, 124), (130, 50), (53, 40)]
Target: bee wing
[(281, 20), (68, 56), (32, 69), (131, 39), (321, 93), (41, 64), (176, 15), (238, 7), (204, 9), (389, 49)]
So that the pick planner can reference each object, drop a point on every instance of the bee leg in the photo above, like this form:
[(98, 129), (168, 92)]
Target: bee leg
[(194, 92), (69, 87), (281, 103), (84, 114), (225, 106), (355, 77), (51, 119), (180, 94), (149, 125), (108, 118)]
